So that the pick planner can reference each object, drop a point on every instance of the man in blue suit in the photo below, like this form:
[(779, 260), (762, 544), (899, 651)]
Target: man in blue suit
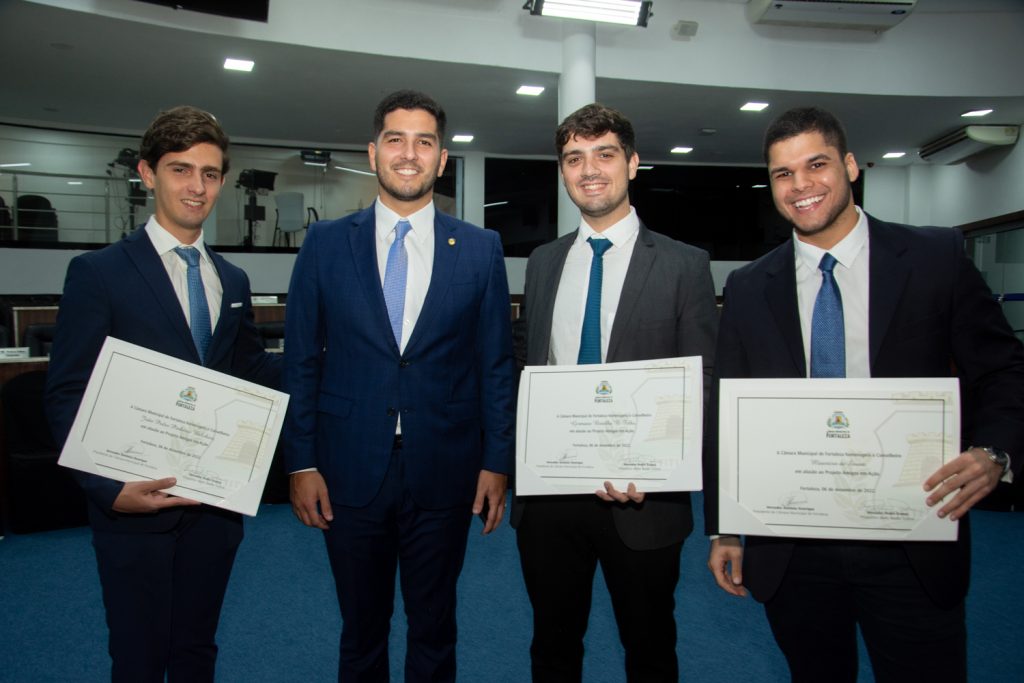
[(398, 360), (911, 304), (163, 561)]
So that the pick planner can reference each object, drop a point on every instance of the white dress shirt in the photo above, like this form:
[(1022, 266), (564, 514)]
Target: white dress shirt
[(419, 246), (571, 299), (177, 270), (852, 277)]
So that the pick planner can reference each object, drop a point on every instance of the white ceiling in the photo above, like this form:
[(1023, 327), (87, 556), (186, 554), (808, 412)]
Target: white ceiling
[(81, 70)]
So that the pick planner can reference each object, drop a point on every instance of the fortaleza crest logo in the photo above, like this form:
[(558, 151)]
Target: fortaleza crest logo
[(604, 392), (838, 426), (187, 398)]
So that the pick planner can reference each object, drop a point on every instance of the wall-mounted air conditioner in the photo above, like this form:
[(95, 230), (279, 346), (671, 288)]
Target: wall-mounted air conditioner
[(866, 15), (963, 142)]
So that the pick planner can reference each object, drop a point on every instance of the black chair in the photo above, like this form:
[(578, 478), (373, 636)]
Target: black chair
[(39, 339), (272, 334), (42, 495), (5, 337), (37, 219)]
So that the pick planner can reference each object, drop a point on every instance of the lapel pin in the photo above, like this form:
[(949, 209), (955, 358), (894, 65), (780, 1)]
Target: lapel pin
[(451, 241)]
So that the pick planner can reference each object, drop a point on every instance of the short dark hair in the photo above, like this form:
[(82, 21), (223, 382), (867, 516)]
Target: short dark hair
[(593, 121), (409, 99), (179, 129), (805, 120)]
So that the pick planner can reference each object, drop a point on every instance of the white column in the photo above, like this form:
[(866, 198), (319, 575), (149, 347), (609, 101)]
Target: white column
[(577, 86)]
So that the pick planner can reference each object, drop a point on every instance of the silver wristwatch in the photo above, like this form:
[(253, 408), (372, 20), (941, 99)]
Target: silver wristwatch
[(998, 456)]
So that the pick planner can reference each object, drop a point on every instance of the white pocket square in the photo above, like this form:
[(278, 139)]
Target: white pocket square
[(236, 304)]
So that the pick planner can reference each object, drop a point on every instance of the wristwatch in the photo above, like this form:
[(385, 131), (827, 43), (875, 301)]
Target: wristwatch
[(998, 456)]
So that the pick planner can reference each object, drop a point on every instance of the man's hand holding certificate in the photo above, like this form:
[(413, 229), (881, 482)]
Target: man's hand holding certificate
[(637, 422), (842, 459), (147, 416)]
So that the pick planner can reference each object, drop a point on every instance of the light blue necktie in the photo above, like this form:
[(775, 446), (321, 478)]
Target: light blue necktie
[(199, 309), (828, 336), (395, 274), (590, 337)]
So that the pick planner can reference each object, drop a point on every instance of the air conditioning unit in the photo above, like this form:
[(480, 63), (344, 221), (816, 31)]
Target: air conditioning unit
[(865, 15), (962, 143)]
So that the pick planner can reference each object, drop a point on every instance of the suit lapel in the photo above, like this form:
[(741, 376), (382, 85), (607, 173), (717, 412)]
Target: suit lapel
[(640, 264), (233, 292), (540, 312), (446, 254), (780, 298), (363, 244), (142, 253), (887, 279)]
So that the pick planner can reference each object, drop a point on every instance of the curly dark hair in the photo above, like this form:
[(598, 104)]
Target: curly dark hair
[(179, 129), (805, 120), (409, 99), (592, 121)]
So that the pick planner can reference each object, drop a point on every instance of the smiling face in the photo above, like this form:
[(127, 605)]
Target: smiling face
[(185, 187), (596, 173), (407, 158), (811, 188)]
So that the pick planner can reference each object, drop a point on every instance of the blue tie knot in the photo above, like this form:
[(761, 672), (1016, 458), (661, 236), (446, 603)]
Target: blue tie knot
[(189, 254), (599, 245), (402, 229), (828, 263)]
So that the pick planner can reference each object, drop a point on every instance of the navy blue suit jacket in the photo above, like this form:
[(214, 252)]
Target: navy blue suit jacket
[(348, 381), (123, 291), (930, 314)]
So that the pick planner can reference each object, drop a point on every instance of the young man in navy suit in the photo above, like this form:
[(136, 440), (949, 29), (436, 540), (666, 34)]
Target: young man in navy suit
[(163, 560), (912, 305), (398, 360)]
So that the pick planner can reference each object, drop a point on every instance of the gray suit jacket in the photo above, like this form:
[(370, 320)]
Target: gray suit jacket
[(666, 310)]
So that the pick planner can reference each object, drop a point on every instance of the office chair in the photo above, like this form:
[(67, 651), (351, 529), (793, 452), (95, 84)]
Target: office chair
[(291, 215), (271, 333), (42, 495), (37, 219), (39, 339)]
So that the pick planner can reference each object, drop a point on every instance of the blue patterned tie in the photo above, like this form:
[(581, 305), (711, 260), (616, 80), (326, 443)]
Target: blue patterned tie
[(828, 337), (199, 309), (590, 337), (395, 275)]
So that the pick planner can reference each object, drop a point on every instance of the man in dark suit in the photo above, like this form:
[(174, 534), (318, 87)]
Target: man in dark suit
[(657, 300), (164, 561), (398, 359), (912, 305)]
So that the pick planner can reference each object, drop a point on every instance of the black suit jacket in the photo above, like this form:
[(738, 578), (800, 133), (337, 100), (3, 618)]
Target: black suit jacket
[(930, 314), (123, 291), (666, 310)]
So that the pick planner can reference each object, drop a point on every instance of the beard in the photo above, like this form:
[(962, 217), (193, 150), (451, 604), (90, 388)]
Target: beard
[(825, 222), (394, 185)]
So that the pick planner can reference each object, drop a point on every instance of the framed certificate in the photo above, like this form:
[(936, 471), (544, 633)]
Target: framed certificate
[(582, 425), (146, 416), (835, 458)]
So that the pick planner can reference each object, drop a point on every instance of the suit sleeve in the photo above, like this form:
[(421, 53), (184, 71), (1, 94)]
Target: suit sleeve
[(304, 342), (83, 323), (497, 366), (698, 324)]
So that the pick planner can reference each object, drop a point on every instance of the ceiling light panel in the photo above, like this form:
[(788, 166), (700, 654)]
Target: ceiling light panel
[(627, 12), (239, 64), (532, 90)]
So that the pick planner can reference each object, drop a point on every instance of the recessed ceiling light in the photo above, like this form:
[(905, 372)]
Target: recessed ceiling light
[(74, 182), (629, 12), (239, 64), (758, 187), (894, 155), (135, 180), (976, 112), (18, 165), (754, 106), (682, 150), (532, 90), (462, 137), (644, 168)]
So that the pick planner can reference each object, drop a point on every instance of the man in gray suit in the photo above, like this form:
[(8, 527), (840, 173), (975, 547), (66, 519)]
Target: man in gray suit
[(656, 300)]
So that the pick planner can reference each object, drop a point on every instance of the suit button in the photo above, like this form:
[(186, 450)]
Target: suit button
[(403, 363), (392, 412)]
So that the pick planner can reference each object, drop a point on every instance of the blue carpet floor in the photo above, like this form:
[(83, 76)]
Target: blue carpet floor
[(281, 623)]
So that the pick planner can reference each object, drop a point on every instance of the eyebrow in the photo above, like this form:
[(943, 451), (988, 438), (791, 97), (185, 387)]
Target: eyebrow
[(389, 133), (816, 157), (598, 148)]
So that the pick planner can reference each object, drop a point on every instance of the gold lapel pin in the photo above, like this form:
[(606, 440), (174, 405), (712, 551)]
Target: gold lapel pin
[(451, 241)]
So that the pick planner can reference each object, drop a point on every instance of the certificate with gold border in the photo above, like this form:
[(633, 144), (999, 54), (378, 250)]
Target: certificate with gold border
[(582, 425), (835, 458), (146, 416)]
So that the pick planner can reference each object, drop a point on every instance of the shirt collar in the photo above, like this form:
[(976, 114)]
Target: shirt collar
[(422, 221), (164, 241), (619, 234), (845, 251)]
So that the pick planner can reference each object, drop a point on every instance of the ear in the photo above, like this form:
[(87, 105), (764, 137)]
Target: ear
[(632, 164), (852, 172), (371, 151), (441, 164), (147, 174)]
